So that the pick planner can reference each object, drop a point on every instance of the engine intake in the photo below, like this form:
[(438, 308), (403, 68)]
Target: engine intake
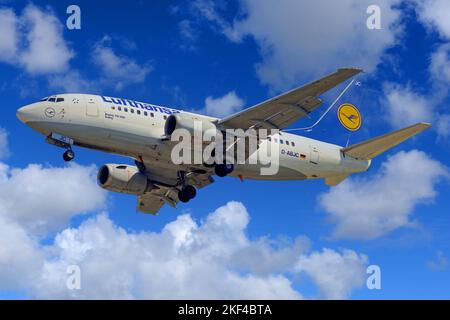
[(124, 179)]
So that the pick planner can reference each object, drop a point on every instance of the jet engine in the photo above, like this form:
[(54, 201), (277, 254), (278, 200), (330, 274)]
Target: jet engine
[(187, 122), (124, 179)]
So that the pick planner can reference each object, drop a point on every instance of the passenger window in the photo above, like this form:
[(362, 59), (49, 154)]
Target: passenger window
[(152, 115), (281, 141), (165, 117), (138, 111), (52, 100), (60, 100), (293, 144), (132, 110), (113, 108), (269, 138), (125, 109), (287, 142), (119, 108), (145, 113)]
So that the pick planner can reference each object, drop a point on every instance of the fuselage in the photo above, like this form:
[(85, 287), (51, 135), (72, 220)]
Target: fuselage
[(135, 129)]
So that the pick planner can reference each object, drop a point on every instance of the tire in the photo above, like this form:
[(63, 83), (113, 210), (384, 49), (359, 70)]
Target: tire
[(69, 155), (182, 196), (229, 167), (219, 170), (223, 169), (190, 192)]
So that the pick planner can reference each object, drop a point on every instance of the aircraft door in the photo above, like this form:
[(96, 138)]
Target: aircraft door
[(91, 107), (314, 155)]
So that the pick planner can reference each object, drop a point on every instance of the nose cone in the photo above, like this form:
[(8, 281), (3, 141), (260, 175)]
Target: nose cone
[(31, 113), (23, 114)]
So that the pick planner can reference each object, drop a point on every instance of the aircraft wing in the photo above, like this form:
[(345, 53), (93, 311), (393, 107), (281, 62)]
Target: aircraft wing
[(285, 109), (151, 202)]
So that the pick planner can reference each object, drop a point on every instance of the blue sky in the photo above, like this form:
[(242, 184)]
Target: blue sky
[(283, 239)]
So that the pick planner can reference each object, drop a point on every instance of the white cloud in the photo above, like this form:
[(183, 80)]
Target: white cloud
[(46, 51), (72, 81), (443, 125), (434, 14), (8, 26), (118, 70), (20, 257), (440, 65), (43, 199), (4, 148), (369, 207), (187, 30), (34, 202), (223, 106), (405, 107), (440, 263), (186, 259), (266, 255), (34, 41), (335, 274), (301, 40)]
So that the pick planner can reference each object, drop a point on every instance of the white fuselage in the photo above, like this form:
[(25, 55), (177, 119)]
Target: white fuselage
[(135, 129)]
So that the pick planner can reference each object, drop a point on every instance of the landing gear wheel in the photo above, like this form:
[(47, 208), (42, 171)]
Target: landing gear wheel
[(187, 193), (182, 196), (69, 155), (223, 169), (190, 191)]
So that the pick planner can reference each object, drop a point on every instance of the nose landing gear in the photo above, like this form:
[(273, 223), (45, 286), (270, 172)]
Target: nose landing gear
[(69, 155)]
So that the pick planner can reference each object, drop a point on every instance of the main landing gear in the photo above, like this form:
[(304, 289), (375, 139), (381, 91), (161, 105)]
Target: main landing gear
[(223, 170), (69, 155), (187, 192)]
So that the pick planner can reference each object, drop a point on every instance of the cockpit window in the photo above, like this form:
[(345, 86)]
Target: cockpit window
[(53, 99), (44, 99), (59, 99)]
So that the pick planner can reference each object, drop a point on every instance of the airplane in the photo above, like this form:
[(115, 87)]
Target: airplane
[(142, 131)]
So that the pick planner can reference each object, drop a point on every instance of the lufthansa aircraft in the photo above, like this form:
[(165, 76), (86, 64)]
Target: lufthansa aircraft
[(142, 131)]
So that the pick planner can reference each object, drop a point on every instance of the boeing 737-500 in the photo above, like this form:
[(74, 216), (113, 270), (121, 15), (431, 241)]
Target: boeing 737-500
[(143, 132)]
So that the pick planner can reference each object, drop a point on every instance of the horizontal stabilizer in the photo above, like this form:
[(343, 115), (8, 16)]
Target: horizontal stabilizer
[(369, 149), (335, 180)]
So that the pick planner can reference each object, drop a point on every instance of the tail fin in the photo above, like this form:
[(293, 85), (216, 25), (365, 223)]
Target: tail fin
[(369, 149)]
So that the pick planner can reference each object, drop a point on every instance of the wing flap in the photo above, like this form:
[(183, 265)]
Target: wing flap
[(148, 203)]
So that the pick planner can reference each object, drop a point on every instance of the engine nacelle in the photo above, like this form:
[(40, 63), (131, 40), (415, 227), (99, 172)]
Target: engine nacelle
[(187, 122), (124, 179)]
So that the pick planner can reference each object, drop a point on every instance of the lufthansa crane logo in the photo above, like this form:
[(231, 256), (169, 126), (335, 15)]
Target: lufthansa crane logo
[(49, 112), (349, 117)]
